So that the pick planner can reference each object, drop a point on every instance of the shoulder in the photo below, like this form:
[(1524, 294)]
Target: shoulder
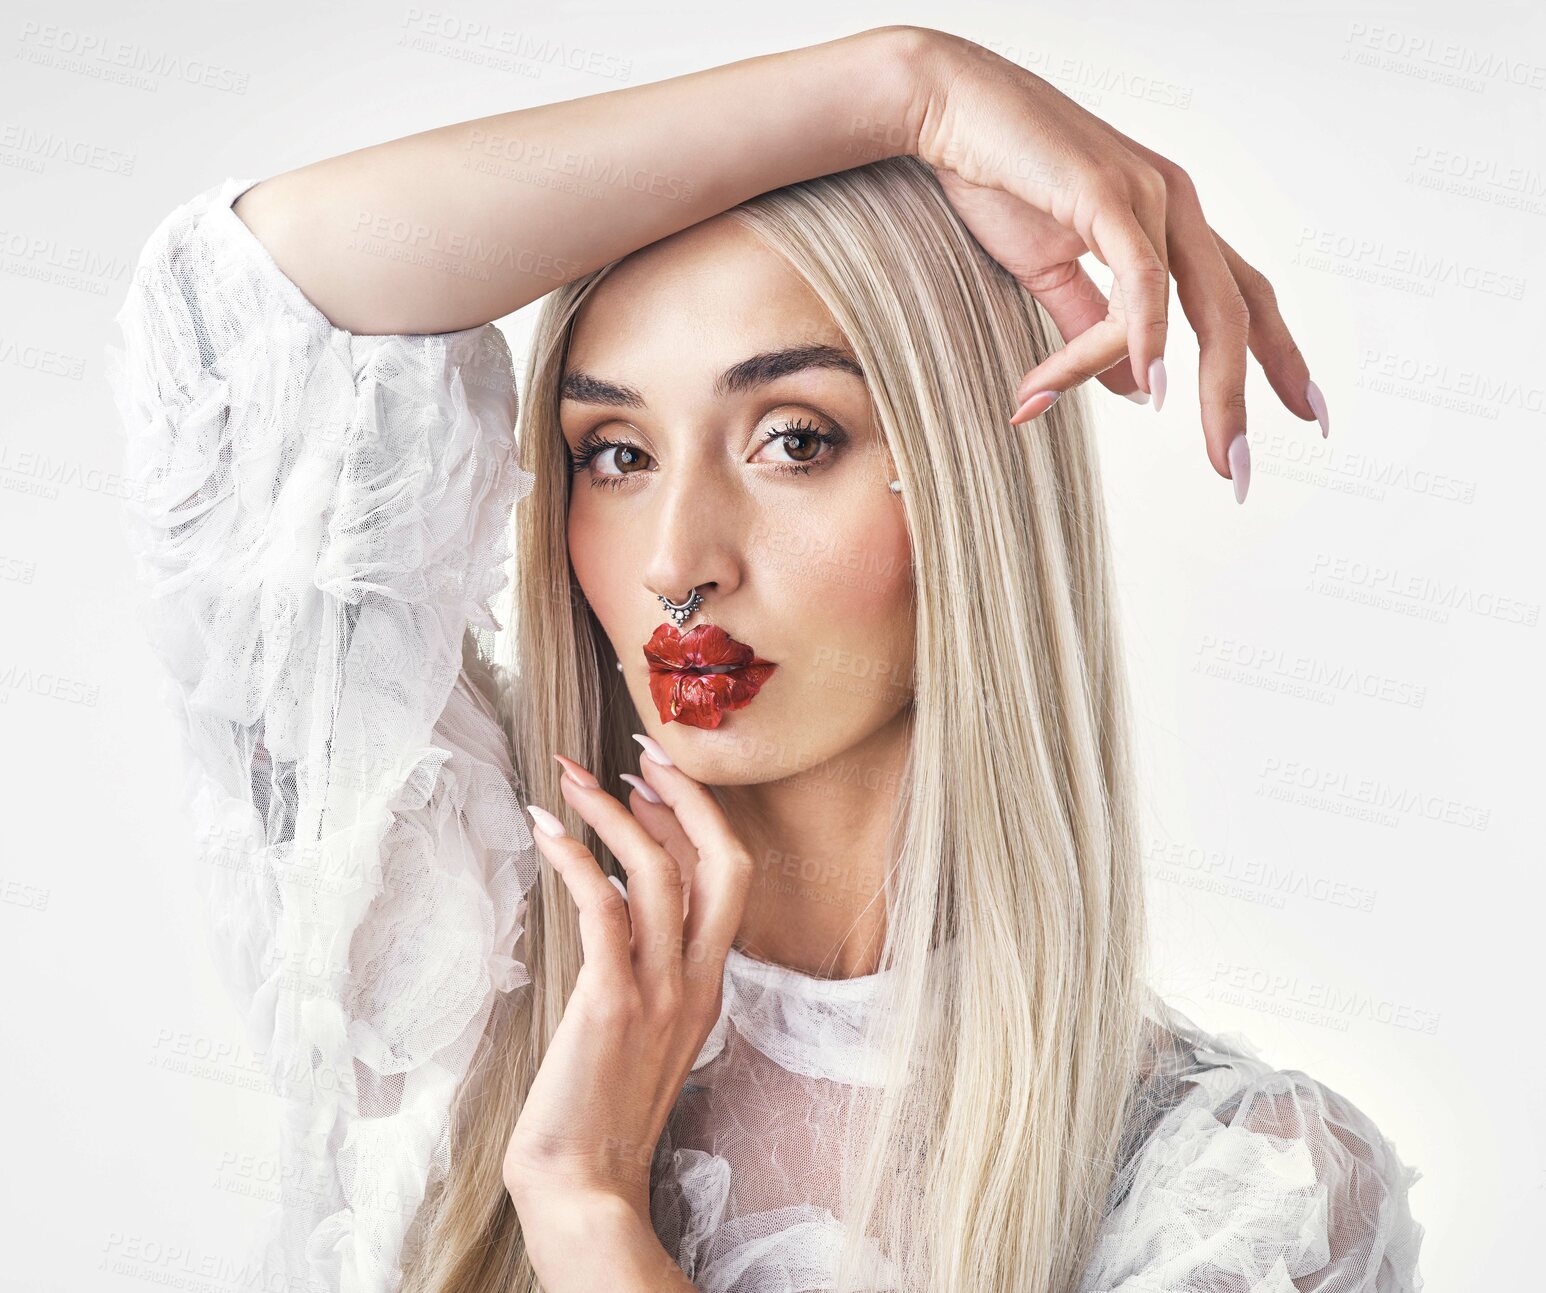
[(1240, 1174)]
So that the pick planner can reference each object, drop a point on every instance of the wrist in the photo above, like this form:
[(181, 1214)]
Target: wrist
[(901, 80), (590, 1241)]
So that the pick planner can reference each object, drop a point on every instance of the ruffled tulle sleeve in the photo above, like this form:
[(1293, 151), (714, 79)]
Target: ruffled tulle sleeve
[(318, 519), (1258, 1180)]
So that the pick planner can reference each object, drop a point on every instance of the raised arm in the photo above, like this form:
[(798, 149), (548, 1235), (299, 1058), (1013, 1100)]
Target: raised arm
[(458, 226)]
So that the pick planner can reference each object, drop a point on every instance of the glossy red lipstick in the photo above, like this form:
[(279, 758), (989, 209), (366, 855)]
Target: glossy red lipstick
[(698, 677)]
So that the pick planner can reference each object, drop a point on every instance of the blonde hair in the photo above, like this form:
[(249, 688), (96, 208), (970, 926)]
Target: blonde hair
[(987, 1157)]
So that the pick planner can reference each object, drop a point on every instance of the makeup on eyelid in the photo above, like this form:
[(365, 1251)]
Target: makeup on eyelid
[(593, 445)]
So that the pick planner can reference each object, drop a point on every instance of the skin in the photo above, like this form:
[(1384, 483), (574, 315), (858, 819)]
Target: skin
[(1038, 180), (810, 569)]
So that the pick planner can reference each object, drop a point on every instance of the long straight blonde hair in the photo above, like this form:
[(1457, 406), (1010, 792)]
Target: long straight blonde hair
[(986, 1158)]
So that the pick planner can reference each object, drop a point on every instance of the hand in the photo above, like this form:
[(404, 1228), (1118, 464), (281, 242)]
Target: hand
[(647, 995), (1039, 180)]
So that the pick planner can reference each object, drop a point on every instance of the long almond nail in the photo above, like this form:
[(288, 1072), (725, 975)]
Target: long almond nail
[(546, 822), (1240, 466), (1034, 407), (642, 786), (652, 748), (576, 773), (1157, 382), (1317, 403)]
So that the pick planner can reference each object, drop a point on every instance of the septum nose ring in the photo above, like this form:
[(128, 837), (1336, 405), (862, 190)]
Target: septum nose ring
[(679, 611)]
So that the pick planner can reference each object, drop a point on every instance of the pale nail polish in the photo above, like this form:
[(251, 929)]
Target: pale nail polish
[(642, 786), (1157, 382), (546, 822), (576, 773), (652, 748), (1137, 397), (621, 887), (1034, 407), (1317, 403), (1240, 466)]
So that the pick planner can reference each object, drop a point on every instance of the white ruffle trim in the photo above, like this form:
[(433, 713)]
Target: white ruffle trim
[(793, 1248), (1242, 1177), (1257, 1180), (319, 517)]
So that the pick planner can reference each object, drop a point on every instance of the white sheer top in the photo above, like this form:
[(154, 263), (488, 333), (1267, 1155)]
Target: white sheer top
[(319, 518)]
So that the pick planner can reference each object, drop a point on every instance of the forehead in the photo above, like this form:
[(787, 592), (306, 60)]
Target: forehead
[(704, 298)]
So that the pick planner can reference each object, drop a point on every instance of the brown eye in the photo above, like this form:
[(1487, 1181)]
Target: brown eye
[(801, 452), (628, 459), (625, 457), (801, 444)]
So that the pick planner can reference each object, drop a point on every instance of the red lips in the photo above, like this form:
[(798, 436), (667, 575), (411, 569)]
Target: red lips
[(683, 689)]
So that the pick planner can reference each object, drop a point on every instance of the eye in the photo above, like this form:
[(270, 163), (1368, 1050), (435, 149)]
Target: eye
[(627, 458), (805, 443)]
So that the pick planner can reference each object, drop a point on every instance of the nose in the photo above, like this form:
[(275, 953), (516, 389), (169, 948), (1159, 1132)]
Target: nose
[(691, 540)]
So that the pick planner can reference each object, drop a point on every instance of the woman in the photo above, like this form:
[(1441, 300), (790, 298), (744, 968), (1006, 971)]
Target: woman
[(871, 1012)]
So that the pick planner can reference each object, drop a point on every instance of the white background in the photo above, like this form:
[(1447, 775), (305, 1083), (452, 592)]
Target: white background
[(1338, 684)]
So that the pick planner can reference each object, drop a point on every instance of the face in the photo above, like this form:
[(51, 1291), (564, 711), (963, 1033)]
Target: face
[(722, 440)]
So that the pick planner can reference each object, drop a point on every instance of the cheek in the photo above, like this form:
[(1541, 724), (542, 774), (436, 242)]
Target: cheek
[(593, 550), (852, 593)]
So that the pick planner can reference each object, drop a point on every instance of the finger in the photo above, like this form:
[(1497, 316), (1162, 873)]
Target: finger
[(1270, 339), (1220, 316), (1088, 355), (654, 879), (1149, 183), (605, 924), (1150, 204), (664, 829), (1075, 303), (723, 874), (1152, 211), (1119, 237)]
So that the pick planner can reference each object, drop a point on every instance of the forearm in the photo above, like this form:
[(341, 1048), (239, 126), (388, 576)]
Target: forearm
[(577, 1248), (463, 224)]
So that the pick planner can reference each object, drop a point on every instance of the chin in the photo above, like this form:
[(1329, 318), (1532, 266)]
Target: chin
[(750, 746), (738, 752)]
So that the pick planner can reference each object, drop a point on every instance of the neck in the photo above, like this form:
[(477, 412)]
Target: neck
[(819, 840)]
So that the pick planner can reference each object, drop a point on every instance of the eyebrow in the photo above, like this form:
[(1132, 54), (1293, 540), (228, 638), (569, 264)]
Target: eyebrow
[(758, 370)]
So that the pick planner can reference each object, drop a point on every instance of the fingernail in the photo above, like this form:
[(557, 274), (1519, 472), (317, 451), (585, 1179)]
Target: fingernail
[(577, 774), (1240, 466), (652, 748), (1317, 402), (546, 822), (621, 887), (1157, 382), (1137, 397), (642, 786), (1034, 407)]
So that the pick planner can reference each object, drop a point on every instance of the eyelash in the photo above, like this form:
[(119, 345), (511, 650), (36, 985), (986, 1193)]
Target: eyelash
[(592, 444)]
